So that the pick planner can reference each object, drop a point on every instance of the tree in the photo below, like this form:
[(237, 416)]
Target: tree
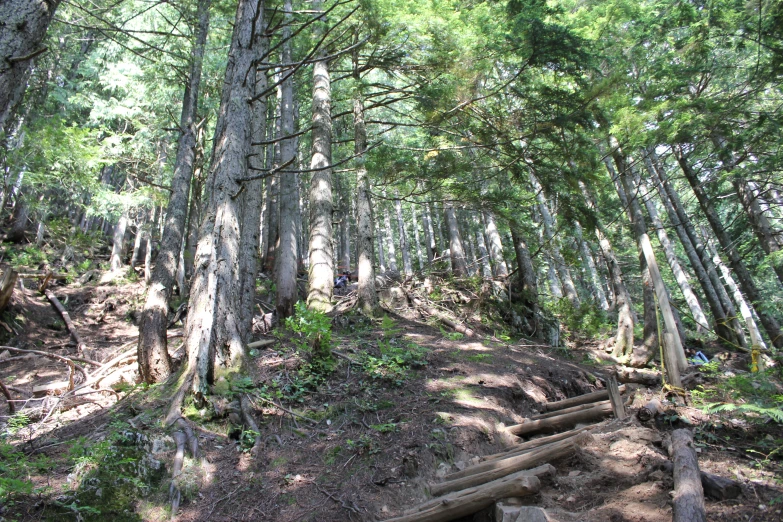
[(153, 356), (214, 338)]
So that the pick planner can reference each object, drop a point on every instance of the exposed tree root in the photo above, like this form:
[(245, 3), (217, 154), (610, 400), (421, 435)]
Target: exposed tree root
[(68, 360)]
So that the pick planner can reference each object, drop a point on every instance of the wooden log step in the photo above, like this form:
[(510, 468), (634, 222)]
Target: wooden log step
[(471, 500), (572, 409), (525, 447), (562, 422), (600, 395), (688, 491), (501, 468)]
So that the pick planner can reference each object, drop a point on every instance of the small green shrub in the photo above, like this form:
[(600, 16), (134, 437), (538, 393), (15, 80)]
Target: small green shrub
[(314, 331)]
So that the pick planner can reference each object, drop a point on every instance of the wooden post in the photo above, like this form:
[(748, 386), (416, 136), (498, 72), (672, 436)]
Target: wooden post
[(7, 287), (663, 302), (616, 399), (670, 361)]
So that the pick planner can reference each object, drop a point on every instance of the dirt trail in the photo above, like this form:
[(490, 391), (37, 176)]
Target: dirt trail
[(365, 442)]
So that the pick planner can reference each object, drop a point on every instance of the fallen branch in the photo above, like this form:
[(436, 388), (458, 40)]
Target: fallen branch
[(247, 415), (454, 325), (469, 501), (66, 318), (600, 395), (500, 468), (261, 344), (292, 413), (638, 376), (561, 422)]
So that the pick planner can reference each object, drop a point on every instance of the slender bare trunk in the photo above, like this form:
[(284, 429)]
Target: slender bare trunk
[(592, 272), (561, 268), (321, 272), (118, 243), (153, 356), (459, 265), (429, 233), (726, 325), (527, 275), (486, 269), (367, 298), (746, 282), (287, 255), (495, 245), (404, 247), (416, 237)]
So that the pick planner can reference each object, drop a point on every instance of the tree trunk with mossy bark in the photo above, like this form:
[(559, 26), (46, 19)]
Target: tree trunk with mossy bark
[(214, 336)]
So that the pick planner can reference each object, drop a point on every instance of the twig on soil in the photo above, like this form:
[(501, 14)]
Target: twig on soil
[(294, 414), (337, 500), (68, 360), (222, 499)]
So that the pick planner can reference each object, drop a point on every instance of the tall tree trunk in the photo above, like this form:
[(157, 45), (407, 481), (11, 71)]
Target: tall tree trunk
[(495, 245), (148, 249), (153, 356), (626, 317), (680, 276), (116, 261), (486, 269), (746, 282), (747, 315), (19, 219), (343, 213), (379, 239), (438, 220), (367, 298), (213, 336), (287, 255), (650, 334), (141, 218), (561, 268), (459, 265), (592, 272), (726, 324), (416, 237), (23, 28), (429, 233), (758, 221), (404, 247), (527, 275), (321, 274), (391, 250)]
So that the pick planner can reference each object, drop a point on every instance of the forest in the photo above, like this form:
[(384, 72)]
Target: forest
[(347, 259)]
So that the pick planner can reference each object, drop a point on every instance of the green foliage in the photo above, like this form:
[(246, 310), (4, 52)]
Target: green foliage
[(314, 329), (395, 360), (14, 473), (17, 421), (586, 320), (29, 257), (755, 395)]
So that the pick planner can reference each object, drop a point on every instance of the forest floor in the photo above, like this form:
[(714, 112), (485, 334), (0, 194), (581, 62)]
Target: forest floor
[(405, 403)]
